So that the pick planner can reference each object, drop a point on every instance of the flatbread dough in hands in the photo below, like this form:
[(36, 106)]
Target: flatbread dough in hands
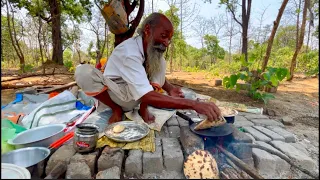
[(118, 128), (201, 165), (205, 124)]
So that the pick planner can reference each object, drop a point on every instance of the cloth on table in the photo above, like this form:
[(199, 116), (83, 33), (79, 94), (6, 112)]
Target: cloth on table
[(146, 144), (161, 116)]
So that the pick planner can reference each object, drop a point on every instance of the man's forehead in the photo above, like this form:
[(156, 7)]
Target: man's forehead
[(166, 25)]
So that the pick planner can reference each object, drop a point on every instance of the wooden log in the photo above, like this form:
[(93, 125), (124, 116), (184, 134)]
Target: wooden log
[(253, 173), (59, 88), (57, 171)]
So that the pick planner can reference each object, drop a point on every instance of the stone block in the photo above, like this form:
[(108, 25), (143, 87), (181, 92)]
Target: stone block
[(264, 144), (243, 123), (134, 162), (240, 150), (190, 142), (240, 118), (266, 122), (257, 134), (110, 173), (89, 159), (269, 133), (288, 136), (172, 121), (239, 136), (256, 116), (299, 157), (164, 133), (253, 139), (153, 162), (182, 122), (164, 175), (63, 154), (174, 131), (78, 170), (286, 120), (110, 157), (172, 154)]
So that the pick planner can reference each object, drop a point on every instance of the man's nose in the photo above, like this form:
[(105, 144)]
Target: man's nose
[(166, 42)]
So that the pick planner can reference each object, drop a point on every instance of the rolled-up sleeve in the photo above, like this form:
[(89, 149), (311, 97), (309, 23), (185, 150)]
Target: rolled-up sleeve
[(135, 75)]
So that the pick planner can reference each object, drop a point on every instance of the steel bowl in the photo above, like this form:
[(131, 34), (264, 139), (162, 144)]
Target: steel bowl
[(231, 118), (41, 136), (26, 157)]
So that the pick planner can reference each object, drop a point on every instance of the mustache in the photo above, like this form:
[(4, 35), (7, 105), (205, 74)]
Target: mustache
[(160, 47)]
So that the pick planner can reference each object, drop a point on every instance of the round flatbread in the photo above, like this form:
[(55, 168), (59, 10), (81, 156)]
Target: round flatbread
[(226, 111), (118, 128), (201, 165)]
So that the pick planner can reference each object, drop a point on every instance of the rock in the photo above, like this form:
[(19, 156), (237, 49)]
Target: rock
[(243, 123), (110, 173), (301, 147), (240, 150), (256, 116), (253, 139), (264, 144), (299, 157), (269, 133), (164, 175), (182, 122), (257, 134), (239, 136), (173, 121), (153, 162), (164, 133), (288, 136), (78, 170), (287, 120), (189, 141), (110, 157), (172, 154), (133, 163), (63, 154), (89, 159), (266, 122), (271, 112), (174, 131), (218, 82)]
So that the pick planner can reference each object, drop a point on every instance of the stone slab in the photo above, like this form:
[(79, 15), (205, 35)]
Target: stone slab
[(240, 118), (253, 139), (63, 154), (264, 144), (256, 116), (182, 122), (269, 133), (78, 170), (153, 162), (172, 154), (133, 164), (110, 157), (288, 136), (189, 141), (110, 173), (174, 131), (257, 134), (172, 121), (239, 136), (243, 123), (163, 133), (266, 122)]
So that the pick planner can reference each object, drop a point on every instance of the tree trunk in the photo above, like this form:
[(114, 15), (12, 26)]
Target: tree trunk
[(171, 57), (303, 26), (40, 45), (273, 33), (245, 23), (55, 11)]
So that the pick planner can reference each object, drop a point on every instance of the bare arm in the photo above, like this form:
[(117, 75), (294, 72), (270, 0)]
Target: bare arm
[(167, 86)]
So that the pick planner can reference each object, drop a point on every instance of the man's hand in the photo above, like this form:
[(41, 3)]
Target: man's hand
[(209, 109), (176, 92)]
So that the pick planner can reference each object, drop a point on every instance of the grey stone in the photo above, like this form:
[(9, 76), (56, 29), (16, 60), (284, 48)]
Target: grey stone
[(239, 136), (164, 175), (153, 162), (264, 144), (172, 121), (301, 147), (174, 131), (288, 136), (182, 122), (245, 113), (163, 133), (189, 141), (63, 154), (266, 122), (249, 161), (256, 116), (270, 166), (78, 170), (110, 157), (269, 133), (286, 120), (89, 159), (243, 123), (172, 154), (240, 150), (240, 118), (110, 173), (257, 134), (299, 157), (253, 139), (134, 162)]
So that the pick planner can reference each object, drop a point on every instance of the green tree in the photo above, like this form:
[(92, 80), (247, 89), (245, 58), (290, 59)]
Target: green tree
[(213, 48)]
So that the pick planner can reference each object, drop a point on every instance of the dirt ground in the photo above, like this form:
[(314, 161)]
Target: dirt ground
[(298, 99)]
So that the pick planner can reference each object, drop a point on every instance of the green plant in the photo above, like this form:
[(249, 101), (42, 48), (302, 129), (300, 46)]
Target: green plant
[(28, 68), (68, 64)]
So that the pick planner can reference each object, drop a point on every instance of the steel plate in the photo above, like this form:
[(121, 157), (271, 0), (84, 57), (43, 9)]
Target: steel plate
[(133, 131), (222, 130)]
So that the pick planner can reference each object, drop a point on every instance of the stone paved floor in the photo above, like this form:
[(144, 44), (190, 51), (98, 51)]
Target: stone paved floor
[(175, 142)]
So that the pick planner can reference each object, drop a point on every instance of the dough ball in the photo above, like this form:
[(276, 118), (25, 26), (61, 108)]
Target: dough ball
[(118, 128)]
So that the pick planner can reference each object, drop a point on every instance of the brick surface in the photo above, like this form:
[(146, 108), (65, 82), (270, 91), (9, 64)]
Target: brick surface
[(110, 173), (133, 163), (256, 116), (189, 141), (240, 118), (253, 139), (78, 170), (243, 123), (182, 122), (174, 131), (269, 133), (288, 136), (63, 154), (153, 162), (266, 122), (239, 136), (240, 150), (110, 157), (257, 134), (172, 154), (89, 159), (172, 121), (163, 133), (264, 144), (299, 157)]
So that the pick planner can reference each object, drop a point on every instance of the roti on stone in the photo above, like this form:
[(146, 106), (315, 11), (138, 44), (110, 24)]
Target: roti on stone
[(205, 124), (201, 165), (118, 128)]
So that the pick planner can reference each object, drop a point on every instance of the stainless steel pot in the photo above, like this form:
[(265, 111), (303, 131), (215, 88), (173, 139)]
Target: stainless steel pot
[(85, 137), (41, 136)]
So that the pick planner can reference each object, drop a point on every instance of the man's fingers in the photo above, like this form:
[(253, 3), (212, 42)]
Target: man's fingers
[(216, 109)]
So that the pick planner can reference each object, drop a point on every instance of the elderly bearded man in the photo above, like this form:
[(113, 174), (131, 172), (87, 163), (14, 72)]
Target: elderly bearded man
[(134, 69)]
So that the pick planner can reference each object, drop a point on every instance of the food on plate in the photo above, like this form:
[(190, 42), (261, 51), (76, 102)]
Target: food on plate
[(118, 128), (201, 165), (205, 124), (226, 111)]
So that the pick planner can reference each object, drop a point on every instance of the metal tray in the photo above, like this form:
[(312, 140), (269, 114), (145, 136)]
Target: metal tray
[(134, 131)]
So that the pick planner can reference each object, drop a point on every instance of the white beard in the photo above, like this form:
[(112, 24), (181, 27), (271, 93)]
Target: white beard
[(153, 64)]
